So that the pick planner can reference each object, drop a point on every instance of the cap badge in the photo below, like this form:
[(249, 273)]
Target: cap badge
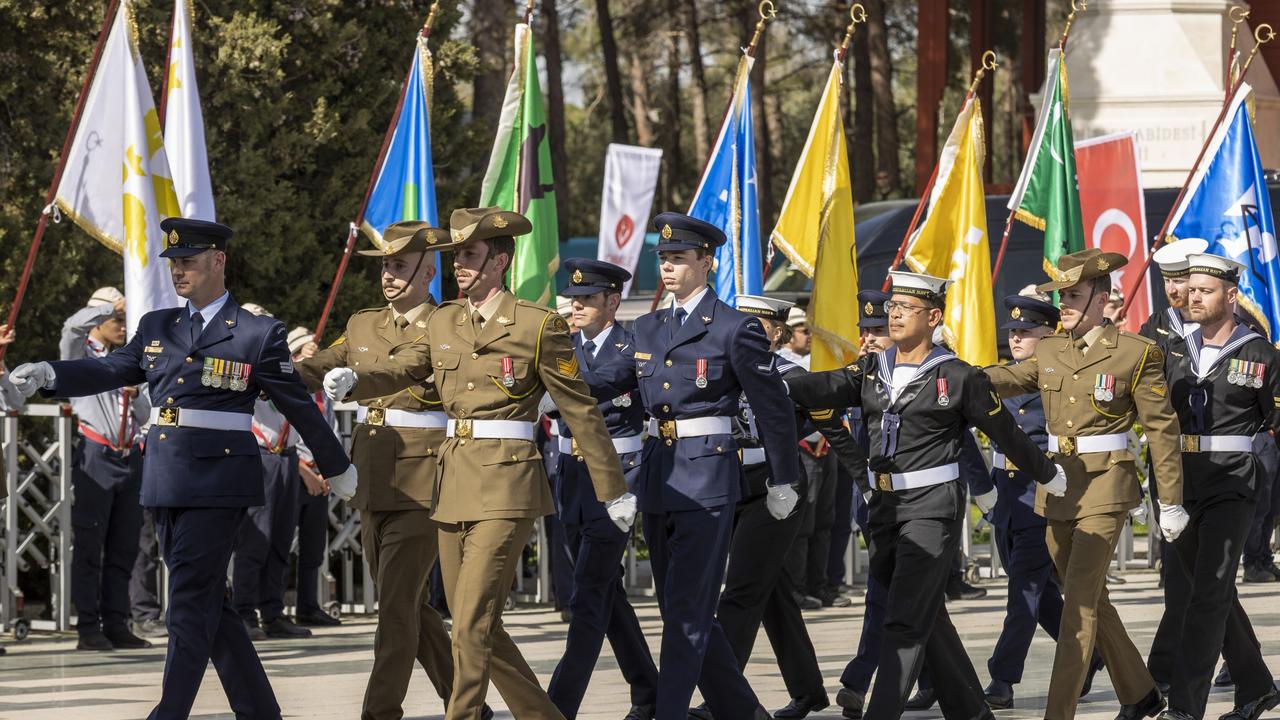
[(577, 277), (458, 236), (1015, 313), (666, 232), (1103, 264), (171, 239), (868, 309), (499, 222)]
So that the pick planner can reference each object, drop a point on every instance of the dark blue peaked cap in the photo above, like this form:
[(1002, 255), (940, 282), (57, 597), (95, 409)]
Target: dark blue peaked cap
[(678, 231)]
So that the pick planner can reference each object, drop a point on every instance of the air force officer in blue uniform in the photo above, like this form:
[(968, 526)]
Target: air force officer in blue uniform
[(205, 363), (693, 360)]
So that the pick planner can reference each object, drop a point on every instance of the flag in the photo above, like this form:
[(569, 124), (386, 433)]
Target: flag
[(519, 177), (1113, 209), (1047, 195), (815, 231), (630, 178), (726, 196), (184, 122), (117, 185), (1228, 205), (406, 184), (952, 243)]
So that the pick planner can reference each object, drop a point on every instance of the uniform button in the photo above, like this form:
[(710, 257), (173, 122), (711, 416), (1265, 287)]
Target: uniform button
[(188, 359), (462, 442), (514, 458), (1075, 376), (668, 442), (1010, 473), (719, 449), (471, 386), (666, 386), (181, 381), (168, 401), (373, 431), (1070, 424), (163, 436), (668, 363), (440, 363), (475, 356), (1022, 411), (1072, 399), (226, 451), (666, 409), (391, 357)]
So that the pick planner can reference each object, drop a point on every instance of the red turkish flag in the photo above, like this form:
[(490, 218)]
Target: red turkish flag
[(1114, 213)]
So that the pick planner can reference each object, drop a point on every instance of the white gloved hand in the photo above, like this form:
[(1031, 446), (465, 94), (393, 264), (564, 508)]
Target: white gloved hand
[(781, 501), (344, 485), (986, 501), (338, 382), (622, 511), (27, 378), (1173, 520), (1139, 514), (1057, 487)]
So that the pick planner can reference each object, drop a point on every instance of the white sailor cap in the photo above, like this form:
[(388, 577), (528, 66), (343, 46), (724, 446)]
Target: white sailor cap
[(564, 306), (1215, 265), (765, 307), (105, 296), (298, 337), (1172, 258), (923, 286), (797, 317), (257, 309)]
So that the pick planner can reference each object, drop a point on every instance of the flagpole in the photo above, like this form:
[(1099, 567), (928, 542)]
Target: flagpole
[(1262, 35), (57, 174), (1238, 14), (988, 63), (353, 233)]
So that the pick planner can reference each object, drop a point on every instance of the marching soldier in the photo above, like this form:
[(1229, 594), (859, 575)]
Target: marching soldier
[(694, 360), (598, 604), (395, 443), (205, 363), (491, 357), (1095, 382), (919, 400), (1224, 386)]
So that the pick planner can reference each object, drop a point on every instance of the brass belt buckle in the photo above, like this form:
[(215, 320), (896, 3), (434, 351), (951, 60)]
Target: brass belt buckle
[(574, 447), (667, 429), (884, 482), (1008, 465), (376, 416), (168, 417), (1191, 443), (462, 428), (1066, 446)]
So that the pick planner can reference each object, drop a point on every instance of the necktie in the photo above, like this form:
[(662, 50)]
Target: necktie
[(589, 348), (197, 326), (680, 315), (402, 322), (477, 322)]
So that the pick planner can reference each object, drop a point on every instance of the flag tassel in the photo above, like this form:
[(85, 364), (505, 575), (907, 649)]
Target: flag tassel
[(57, 174), (353, 233)]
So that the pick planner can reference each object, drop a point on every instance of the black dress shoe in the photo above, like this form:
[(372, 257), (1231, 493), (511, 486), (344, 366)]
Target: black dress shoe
[(1094, 667), (94, 640), (1254, 710), (850, 702), (1258, 575), (641, 712), (315, 618), (761, 714), (999, 694), (700, 713), (283, 627), (1223, 678), (961, 590), (831, 598), (1175, 715), (1147, 707), (1271, 568), (802, 706), (124, 640), (922, 700), (255, 631), (808, 602), (486, 712)]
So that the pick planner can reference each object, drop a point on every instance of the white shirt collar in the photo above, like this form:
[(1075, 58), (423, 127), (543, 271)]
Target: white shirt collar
[(692, 303), (598, 339), (210, 311)]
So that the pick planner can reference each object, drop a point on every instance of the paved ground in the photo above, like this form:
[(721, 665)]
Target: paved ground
[(325, 676)]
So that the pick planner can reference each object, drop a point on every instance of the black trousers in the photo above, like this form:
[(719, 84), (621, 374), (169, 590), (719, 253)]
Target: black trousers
[(263, 544), (313, 546), (912, 559), (107, 518), (757, 590), (144, 594), (841, 526), (1209, 551), (1257, 548)]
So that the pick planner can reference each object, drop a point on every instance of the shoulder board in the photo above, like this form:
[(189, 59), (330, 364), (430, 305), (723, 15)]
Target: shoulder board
[(533, 305), (366, 311)]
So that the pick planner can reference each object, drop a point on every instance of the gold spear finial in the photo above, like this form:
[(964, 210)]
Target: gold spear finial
[(431, 18), (767, 13), (857, 14), (988, 63)]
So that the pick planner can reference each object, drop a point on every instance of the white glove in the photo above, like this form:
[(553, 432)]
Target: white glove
[(338, 382), (622, 511), (1173, 520), (344, 485), (986, 501), (27, 378), (1057, 487), (1139, 514), (781, 501)]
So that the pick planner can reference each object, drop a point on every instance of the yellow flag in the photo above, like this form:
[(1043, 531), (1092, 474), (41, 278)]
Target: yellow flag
[(953, 244), (815, 231)]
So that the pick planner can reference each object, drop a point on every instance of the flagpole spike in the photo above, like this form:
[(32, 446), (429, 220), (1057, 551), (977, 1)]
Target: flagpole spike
[(1238, 14), (988, 63), (431, 19), (767, 12), (528, 11), (1262, 35), (1071, 18), (857, 14)]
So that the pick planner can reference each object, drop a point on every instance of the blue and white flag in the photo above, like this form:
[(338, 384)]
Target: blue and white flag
[(406, 185), (1227, 204), (726, 196)]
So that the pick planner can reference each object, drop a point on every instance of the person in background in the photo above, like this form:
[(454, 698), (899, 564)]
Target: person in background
[(11, 400), (796, 348)]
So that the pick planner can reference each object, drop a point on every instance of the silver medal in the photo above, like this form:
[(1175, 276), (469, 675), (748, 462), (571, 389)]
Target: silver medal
[(1109, 396), (701, 382), (623, 400), (1099, 394)]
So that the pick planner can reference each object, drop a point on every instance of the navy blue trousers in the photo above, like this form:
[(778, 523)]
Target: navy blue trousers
[(263, 545), (1034, 597), (107, 520)]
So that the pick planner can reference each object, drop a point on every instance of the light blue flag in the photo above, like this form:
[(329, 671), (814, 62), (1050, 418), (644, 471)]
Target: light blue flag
[(406, 186), (1228, 205), (726, 197)]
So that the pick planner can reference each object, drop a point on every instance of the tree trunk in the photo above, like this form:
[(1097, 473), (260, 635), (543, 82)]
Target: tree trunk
[(639, 68), (673, 155), (613, 76), (701, 139), (491, 22), (555, 109), (886, 112), (862, 164)]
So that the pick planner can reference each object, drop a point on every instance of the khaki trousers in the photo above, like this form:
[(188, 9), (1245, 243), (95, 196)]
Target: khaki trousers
[(479, 560), (1082, 550)]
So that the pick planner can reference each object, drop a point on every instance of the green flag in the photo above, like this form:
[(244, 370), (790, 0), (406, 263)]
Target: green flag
[(519, 177), (1047, 195)]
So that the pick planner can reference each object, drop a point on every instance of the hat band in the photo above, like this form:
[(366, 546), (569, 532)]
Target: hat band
[(1229, 275), (762, 312), (1175, 273), (597, 280), (916, 292), (685, 237)]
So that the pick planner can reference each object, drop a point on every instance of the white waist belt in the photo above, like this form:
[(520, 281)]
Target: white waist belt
[(998, 460), (753, 456), (491, 429), (887, 482), (204, 419), (622, 445), (691, 427), (1216, 443), (1088, 444), (555, 428), (401, 418)]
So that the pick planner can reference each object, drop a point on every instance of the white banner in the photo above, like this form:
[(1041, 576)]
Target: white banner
[(184, 122), (630, 179)]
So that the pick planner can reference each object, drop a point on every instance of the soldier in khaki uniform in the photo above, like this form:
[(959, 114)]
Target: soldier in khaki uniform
[(395, 446), (491, 357), (1095, 382)]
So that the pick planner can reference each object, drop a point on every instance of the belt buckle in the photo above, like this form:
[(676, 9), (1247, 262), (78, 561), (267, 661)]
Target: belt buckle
[(667, 429), (573, 447), (1191, 443), (462, 428), (884, 482), (1008, 465), (376, 416), (168, 417), (1066, 446)]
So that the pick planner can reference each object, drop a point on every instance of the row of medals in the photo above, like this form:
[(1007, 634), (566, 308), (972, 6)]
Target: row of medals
[(236, 380), (1243, 380)]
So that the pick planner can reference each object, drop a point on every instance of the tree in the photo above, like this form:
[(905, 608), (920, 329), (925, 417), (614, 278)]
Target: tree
[(886, 114), (555, 106), (613, 77)]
